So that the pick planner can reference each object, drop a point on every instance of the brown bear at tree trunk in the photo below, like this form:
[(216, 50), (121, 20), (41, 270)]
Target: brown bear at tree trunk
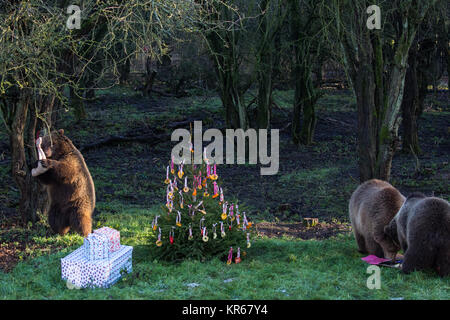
[(422, 229), (372, 206), (69, 184)]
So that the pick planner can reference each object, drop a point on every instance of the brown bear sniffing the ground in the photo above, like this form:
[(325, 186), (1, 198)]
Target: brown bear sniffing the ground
[(372, 206), (422, 229), (69, 185)]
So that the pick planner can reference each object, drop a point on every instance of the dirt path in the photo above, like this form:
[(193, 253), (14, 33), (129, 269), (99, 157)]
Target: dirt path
[(321, 231)]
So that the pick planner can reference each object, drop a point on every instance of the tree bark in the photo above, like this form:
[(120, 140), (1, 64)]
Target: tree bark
[(378, 85), (27, 113), (364, 85), (265, 85), (411, 107), (21, 173), (19, 168), (223, 50), (124, 71), (306, 95), (77, 103), (304, 113)]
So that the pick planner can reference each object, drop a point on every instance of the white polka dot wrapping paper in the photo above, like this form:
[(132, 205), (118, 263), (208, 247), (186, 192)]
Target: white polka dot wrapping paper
[(101, 273), (96, 246)]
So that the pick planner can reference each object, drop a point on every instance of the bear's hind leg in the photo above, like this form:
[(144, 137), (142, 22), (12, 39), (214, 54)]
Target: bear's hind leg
[(443, 261), (415, 260), (64, 230), (57, 221), (81, 222)]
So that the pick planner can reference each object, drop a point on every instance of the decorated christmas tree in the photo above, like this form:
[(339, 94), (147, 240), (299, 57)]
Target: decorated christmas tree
[(198, 222)]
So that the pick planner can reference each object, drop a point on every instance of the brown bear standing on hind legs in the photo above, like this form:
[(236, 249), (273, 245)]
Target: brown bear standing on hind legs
[(372, 206), (62, 169), (422, 229)]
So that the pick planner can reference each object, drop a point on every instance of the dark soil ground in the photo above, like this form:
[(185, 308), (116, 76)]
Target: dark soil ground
[(323, 230), (313, 181)]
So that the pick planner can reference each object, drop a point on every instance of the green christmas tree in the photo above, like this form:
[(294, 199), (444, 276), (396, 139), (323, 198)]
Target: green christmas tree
[(197, 221)]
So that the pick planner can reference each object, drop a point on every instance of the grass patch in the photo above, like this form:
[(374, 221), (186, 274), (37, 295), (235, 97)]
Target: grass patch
[(273, 269), (313, 181)]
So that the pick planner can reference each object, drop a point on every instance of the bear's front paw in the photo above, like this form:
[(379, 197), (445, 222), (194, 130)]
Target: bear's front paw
[(45, 163), (42, 167)]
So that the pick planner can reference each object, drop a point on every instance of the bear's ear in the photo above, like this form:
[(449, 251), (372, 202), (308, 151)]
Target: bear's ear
[(61, 131)]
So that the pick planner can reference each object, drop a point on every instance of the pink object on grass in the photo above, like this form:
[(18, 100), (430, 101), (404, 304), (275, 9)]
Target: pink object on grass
[(374, 259)]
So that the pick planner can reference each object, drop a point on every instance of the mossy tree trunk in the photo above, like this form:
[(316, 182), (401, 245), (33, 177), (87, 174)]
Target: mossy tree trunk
[(412, 104), (306, 92), (77, 104), (426, 65), (304, 114), (271, 18), (230, 91), (224, 50), (24, 114), (84, 79), (378, 74), (124, 71)]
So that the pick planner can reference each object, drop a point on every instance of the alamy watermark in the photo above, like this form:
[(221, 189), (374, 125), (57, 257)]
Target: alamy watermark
[(374, 280), (214, 152), (74, 20), (374, 21)]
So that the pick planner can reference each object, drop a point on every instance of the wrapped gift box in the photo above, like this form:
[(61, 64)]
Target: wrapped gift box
[(96, 246), (103, 273), (112, 235)]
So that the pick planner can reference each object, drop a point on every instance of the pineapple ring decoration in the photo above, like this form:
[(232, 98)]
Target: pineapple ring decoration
[(194, 198)]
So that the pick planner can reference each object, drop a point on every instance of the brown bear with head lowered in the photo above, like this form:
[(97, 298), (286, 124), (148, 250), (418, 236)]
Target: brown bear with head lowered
[(372, 206), (422, 229)]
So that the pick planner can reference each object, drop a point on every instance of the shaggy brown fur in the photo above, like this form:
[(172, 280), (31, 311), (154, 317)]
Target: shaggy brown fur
[(422, 229), (372, 206), (69, 185)]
